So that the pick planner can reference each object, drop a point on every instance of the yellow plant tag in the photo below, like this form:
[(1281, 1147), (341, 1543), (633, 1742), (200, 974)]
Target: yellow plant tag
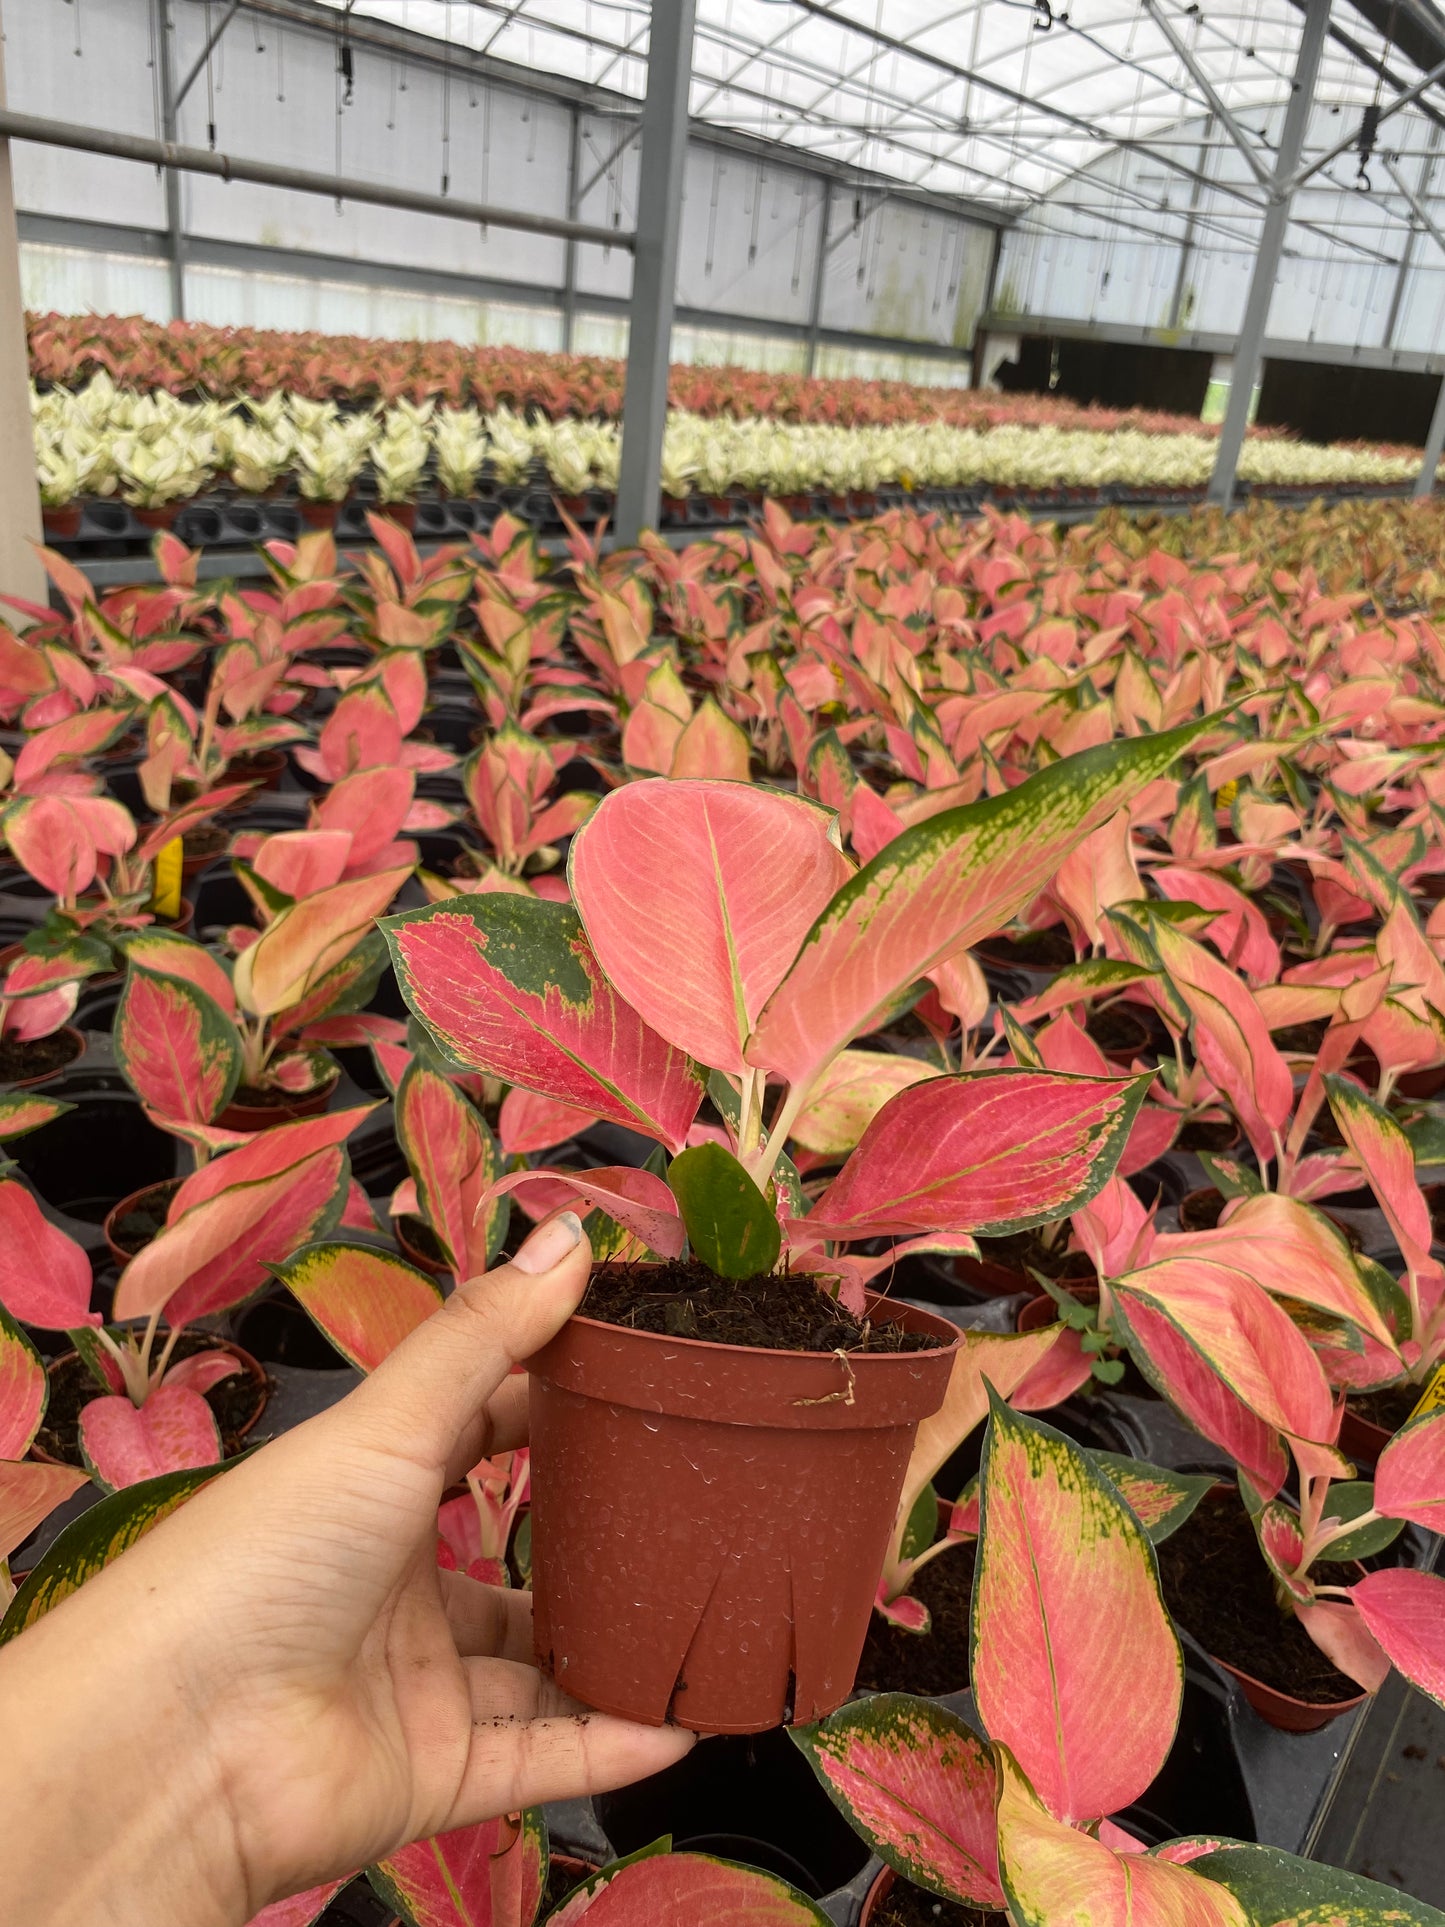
[(166, 879), (1227, 792), (1432, 1399)]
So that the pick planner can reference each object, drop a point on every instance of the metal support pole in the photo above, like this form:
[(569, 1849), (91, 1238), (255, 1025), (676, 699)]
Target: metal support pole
[(21, 573), (1186, 245), (654, 265), (1248, 352), (1434, 446), (198, 65), (820, 269), (569, 256), (1236, 133), (175, 243), (1407, 253)]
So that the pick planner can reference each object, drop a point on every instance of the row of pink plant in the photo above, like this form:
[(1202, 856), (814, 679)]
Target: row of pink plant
[(834, 764)]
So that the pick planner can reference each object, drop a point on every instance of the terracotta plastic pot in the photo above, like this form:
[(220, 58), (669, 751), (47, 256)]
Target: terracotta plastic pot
[(126, 1205), (77, 1039), (411, 1248), (263, 766), (1042, 1310), (709, 1521), (254, 1371), (62, 524), (265, 1117), (1361, 1439), (999, 1280), (402, 513), (1283, 1710), (318, 515), (161, 518)]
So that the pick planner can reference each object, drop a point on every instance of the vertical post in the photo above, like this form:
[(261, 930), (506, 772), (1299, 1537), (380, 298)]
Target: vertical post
[(978, 347), (654, 265), (21, 572), (1248, 352), (1186, 244), (820, 272), (166, 76), (569, 259), (1407, 253), (1434, 445)]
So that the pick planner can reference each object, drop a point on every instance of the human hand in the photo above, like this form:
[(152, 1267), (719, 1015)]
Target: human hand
[(277, 1685)]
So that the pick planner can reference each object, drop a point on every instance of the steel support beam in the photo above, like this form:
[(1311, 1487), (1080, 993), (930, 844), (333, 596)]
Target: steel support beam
[(654, 265), (1247, 353), (198, 65), (1407, 254), (569, 255), (335, 187), (1301, 172), (1434, 446), (21, 573), (175, 225), (1186, 244), (820, 274), (1260, 169)]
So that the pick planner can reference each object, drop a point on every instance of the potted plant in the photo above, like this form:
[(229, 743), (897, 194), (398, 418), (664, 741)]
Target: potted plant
[(688, 952)]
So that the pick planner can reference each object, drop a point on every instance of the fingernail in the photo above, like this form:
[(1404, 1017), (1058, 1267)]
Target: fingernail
[(549, 1244)]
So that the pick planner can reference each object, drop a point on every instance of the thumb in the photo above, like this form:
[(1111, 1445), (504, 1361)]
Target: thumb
[(430, 1394)]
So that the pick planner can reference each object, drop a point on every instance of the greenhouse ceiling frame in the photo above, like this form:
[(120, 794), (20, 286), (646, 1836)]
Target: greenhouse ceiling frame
[(1413, 27)]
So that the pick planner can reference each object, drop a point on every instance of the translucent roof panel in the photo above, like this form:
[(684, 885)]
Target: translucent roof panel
[(996, 101)]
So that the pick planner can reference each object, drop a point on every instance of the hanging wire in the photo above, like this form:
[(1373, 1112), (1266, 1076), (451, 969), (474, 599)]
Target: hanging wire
[(210, 83), (280, 62), (447, 99), (79, 50)]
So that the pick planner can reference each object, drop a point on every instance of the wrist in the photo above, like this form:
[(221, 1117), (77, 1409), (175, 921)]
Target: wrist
[(112, 1802)]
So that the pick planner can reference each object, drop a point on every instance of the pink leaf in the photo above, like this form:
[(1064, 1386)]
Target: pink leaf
[(1055, 1531), (23, 1391), (1056, 1377), (45, 1276), (295, 952), (936, 889), (850, 1093), (170, 956), (366, 1301), (371, 808), (672, 1888), (638, 1200), (919, 1785), (124, 1444), (530, 1123), (488, 1875), (990, 1152), (1052, 1873), (300, 862), (1410, 1475), (202, 1370), (301, 1910), (1339, 1629), (507, 985), (695, 896), (1405, 1610), (266, 1154), (453, 1160), (30, 1493), (180, 1053)]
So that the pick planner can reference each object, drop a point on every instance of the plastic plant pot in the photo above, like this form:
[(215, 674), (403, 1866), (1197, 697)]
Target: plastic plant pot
[(265, 1117), (709, 1521), (74, 1040), (871, 1915), (253, 1371)]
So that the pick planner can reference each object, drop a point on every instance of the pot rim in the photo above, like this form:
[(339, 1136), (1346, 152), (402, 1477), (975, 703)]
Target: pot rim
[(696, 1345), (255, 1371)]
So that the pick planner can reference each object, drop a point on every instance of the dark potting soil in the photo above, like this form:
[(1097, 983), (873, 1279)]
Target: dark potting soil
[(784, 1311), (933, 1662), (1201, 1210), (1199, 1134), (41, 1057), (235, 1401), (146, 1217), (268, 1096), (1118, 1030), (1389, 1408), (1026, 1252), (561, 1879), (1305, 1038), (210, 840), (908, 1906), (1035, 949), (1218, 1587), (422, 1239)]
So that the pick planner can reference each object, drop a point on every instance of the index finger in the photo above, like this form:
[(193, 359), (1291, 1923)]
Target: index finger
[(423, 1399)]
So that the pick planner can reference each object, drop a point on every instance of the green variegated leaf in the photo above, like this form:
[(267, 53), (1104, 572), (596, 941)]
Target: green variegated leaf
[(938, 888), (729, 1225), (180, 1052), (90, 1542), (1277, 1890), (22, 1111), (918, 1784), (1160, 1498), (365, 1301)]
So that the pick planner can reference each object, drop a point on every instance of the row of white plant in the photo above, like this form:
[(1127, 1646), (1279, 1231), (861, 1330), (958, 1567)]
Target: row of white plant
[(152, 449)]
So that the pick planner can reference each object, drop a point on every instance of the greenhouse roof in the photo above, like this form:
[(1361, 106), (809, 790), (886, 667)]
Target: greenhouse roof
[(993, 101)]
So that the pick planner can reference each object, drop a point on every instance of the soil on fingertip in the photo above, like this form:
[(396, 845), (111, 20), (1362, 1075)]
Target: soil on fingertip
[(776, 1311)]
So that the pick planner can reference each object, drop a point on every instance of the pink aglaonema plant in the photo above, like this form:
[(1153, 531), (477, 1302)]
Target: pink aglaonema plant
[(1077, 1677), (245, 1210), (189, 1034), (720, 926)]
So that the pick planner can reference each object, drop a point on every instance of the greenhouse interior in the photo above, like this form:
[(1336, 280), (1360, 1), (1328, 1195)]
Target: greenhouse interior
[(941, 501)]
